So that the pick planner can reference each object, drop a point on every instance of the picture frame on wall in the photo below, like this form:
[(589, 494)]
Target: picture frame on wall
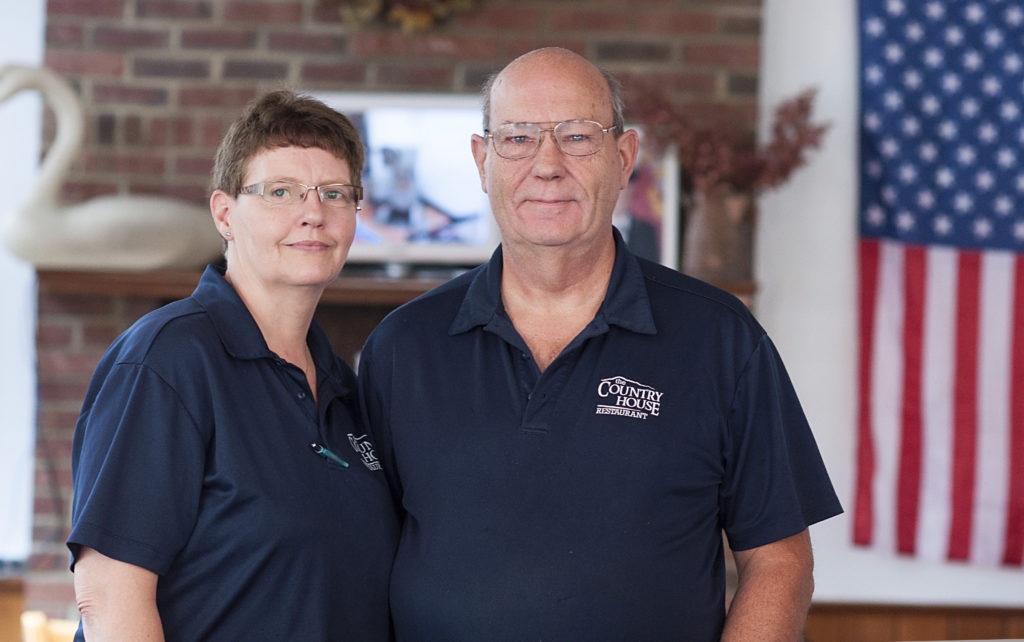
[(647, 213), (423, 204)]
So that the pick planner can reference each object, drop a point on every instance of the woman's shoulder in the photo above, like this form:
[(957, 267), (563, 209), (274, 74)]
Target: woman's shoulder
[(168, 331)]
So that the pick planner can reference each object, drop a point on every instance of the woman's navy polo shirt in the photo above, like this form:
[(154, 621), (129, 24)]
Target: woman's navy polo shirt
[(192, 459), (585, 502)]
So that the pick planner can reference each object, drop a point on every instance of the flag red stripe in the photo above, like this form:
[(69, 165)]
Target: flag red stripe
[(965, 404), (908, 490), (863, 519), (1014, 544)]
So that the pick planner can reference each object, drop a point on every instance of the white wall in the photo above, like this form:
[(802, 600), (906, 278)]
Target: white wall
[(806, 267), (21, 41)]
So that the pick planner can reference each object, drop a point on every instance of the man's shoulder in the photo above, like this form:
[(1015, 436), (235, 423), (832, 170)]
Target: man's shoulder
[(674, 291), (437, 306)]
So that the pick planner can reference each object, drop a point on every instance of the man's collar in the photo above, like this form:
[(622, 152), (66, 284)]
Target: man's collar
[(626, 303)]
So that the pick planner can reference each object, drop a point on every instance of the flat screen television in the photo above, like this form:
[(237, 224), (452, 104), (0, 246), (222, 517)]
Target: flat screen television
[(422, 202), (423, 205)]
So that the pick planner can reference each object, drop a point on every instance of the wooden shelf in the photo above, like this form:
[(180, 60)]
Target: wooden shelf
[(170, 285)]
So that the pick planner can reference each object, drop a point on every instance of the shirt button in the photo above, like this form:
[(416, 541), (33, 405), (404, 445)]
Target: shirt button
[(301, 395)]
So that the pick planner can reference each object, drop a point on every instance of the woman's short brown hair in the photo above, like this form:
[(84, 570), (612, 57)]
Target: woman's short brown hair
[(281, 119)]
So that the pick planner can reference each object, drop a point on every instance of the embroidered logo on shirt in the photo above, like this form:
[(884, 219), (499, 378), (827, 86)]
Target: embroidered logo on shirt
[(626, 398), (364, 447)]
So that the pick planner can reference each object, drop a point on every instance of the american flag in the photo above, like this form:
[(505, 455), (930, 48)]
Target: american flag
[(940, 456)]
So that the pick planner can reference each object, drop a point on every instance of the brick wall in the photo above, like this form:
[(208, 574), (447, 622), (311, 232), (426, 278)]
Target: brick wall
[(162, 78), (72, 333)]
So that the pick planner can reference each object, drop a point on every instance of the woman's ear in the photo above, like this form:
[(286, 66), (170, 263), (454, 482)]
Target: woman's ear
[(220, 208)]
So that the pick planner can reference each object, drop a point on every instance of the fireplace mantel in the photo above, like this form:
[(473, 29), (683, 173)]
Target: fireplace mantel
[(169, 285)]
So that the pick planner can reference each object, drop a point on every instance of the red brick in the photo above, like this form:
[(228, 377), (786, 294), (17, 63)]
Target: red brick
[(76, 304), (263, 12), (57, 420), (742, 25), (116, 38), (218, 39), (187, 9), (175, 130), (46, 479), (302, 41), (326, 11), (408, 75), (51, 335), (676, 22), (124, 163), (67, 363), (131, 130), (735, 113), (743, 55), (62, 391), (57, 452), (207, 96), (698, 82), (128, 95), (212, 130), (135, 308), (92, 63), (86, 8), (451, 46), (47, 505), (254, 70), (64, 35), (78, 191), (100, 334), (634, 51), (171, 68), (47, 435), (333, 73), (157, 132), (520, 45), (380, 43), (589, 20), (197, 194), (508, 19), (195, 165), (742, 85)]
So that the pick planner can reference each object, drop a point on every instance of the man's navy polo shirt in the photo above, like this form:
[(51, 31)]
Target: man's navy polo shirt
[(192, 459), (585, 502)]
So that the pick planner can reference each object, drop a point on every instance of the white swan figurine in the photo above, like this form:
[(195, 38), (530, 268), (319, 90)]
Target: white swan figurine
[(118, 233)]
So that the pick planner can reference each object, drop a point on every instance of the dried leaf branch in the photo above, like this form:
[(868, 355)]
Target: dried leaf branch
[(722, 154)]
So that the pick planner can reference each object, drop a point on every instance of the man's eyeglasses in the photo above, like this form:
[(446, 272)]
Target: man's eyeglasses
[(522, 140), (283, 193)]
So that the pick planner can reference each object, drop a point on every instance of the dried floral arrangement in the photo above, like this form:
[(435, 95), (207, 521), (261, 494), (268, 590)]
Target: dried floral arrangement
[(410, 15), (721, 154)]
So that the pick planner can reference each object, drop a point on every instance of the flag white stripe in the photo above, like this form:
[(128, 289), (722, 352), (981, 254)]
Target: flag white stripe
[(887, 377), (934, 512), (992, 479)]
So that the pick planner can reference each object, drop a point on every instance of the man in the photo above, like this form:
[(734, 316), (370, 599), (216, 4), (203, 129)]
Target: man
[(569, 428)]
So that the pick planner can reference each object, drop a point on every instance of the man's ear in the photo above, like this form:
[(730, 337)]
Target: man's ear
[(479, 144), (628, 146)]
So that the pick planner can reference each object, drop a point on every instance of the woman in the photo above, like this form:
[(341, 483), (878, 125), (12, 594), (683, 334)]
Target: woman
[(224, 488)]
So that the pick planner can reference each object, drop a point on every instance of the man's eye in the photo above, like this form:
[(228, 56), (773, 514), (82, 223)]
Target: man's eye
[(280, 192), (521, 139), (333, 195)]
